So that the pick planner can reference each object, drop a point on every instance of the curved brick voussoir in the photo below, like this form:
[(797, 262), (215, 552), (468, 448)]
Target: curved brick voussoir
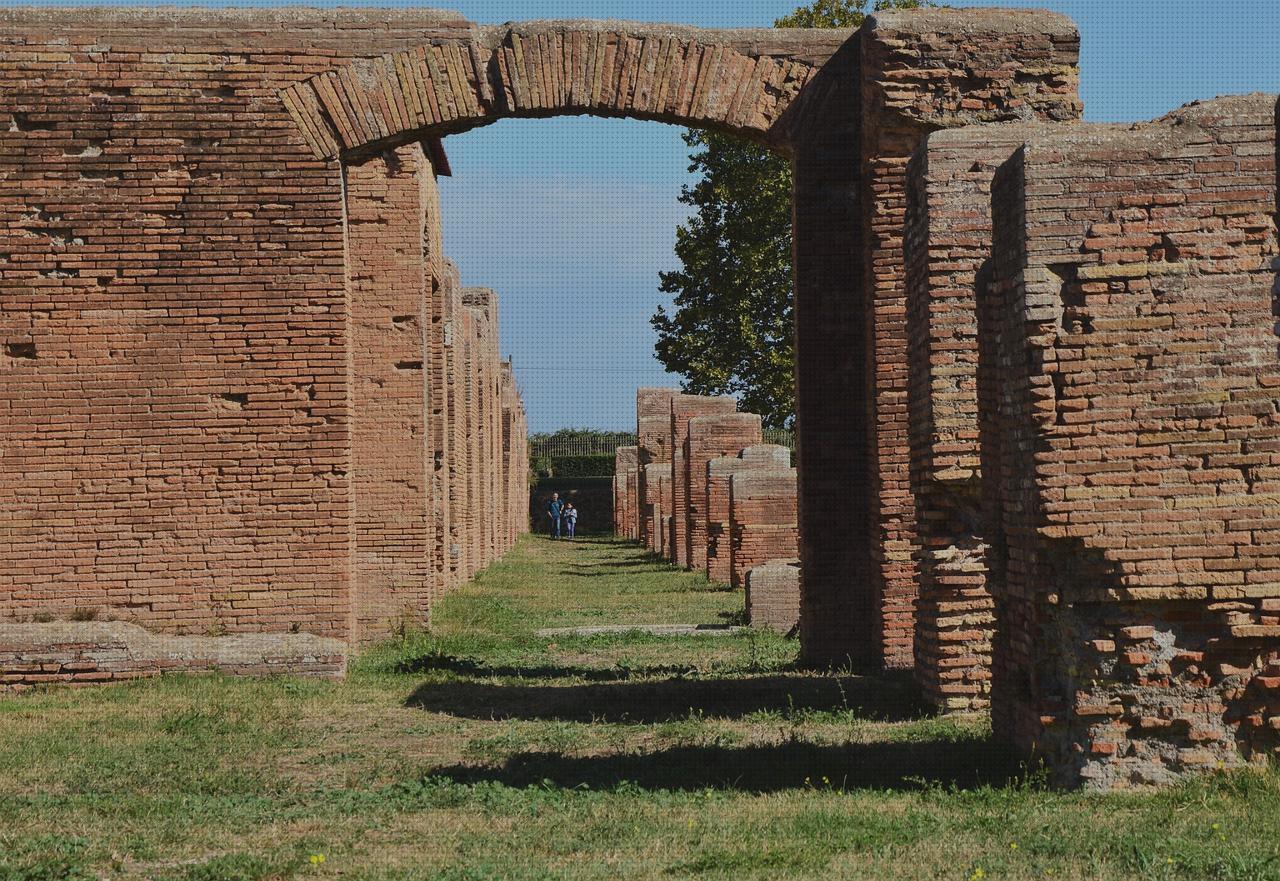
[(742, 81)]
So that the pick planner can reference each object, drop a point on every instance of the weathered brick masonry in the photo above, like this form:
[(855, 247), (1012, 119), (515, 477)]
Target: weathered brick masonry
[(217, 402), (683, 409), (626, 463), (1131, 442), (758, 457), (947, 242), (762, 520), (710, 437)]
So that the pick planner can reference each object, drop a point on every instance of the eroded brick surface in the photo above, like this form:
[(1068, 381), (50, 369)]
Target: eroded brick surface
[(683, 408), (1131, 448), (711, 437), (762, 520), (758, 457)]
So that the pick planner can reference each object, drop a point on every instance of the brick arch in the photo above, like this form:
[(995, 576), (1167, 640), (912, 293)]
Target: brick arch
[(749, 82)]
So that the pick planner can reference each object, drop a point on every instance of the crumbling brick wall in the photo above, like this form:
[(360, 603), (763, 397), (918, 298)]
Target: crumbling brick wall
[(947, 243), (710, 437), (757, 457), (626, 462), (653, 436), (1132, 448), (922, 71), (762, 520), (684, 408)]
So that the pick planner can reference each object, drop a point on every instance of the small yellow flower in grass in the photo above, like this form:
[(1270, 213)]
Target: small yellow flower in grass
[(316, 859), (692, 823), (1216, 826), (1169, 860), (978, 875), (1013, 845)]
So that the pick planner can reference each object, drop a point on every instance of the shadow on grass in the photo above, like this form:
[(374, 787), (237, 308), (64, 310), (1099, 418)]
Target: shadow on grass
[(430, 663), (645, 564), (879, 698), (965, 764)]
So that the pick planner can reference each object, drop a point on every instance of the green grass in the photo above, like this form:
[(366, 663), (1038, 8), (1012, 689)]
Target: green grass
[(479, 751)]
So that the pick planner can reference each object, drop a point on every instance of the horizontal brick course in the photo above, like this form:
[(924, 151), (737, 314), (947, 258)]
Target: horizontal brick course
[(1131, 366), (762, 520)]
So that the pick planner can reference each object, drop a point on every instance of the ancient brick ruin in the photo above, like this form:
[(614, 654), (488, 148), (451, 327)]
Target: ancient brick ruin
[(245, 393), (1036, 361)]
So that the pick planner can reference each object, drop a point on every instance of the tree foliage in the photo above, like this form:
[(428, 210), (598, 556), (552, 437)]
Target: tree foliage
[(731, 331)]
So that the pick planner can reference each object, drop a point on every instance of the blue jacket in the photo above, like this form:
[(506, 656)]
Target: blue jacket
[(553, 508)]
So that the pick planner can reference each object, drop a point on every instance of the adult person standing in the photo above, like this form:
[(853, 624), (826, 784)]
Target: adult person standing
[(554, 508)]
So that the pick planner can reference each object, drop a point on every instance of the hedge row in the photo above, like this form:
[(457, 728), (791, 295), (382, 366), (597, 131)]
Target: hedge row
[(596, 465)]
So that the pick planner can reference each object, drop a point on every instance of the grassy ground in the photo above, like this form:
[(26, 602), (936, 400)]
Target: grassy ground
[(479, 751)]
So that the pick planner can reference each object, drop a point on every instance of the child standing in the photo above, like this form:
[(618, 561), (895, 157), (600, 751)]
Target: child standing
[(570, 518)]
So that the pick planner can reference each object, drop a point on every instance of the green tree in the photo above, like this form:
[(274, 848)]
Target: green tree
[(731, 331)]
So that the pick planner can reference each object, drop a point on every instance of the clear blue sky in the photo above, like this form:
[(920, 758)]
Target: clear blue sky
[(571, 219)]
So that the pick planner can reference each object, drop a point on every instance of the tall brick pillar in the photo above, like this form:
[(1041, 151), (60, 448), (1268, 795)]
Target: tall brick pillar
[(455, 344), (392, 508), (711, 437), (758, 457), (683, 409), (948, 251), (626, 462), (653, 436), (831, 412)]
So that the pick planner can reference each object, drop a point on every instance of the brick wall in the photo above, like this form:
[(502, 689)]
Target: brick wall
[(234, 386), (986, 66), (1133, 444), (711, 437), (626, 462), (947, 243), (758, 457), (762, 520), (653, 436), (683, 409)]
